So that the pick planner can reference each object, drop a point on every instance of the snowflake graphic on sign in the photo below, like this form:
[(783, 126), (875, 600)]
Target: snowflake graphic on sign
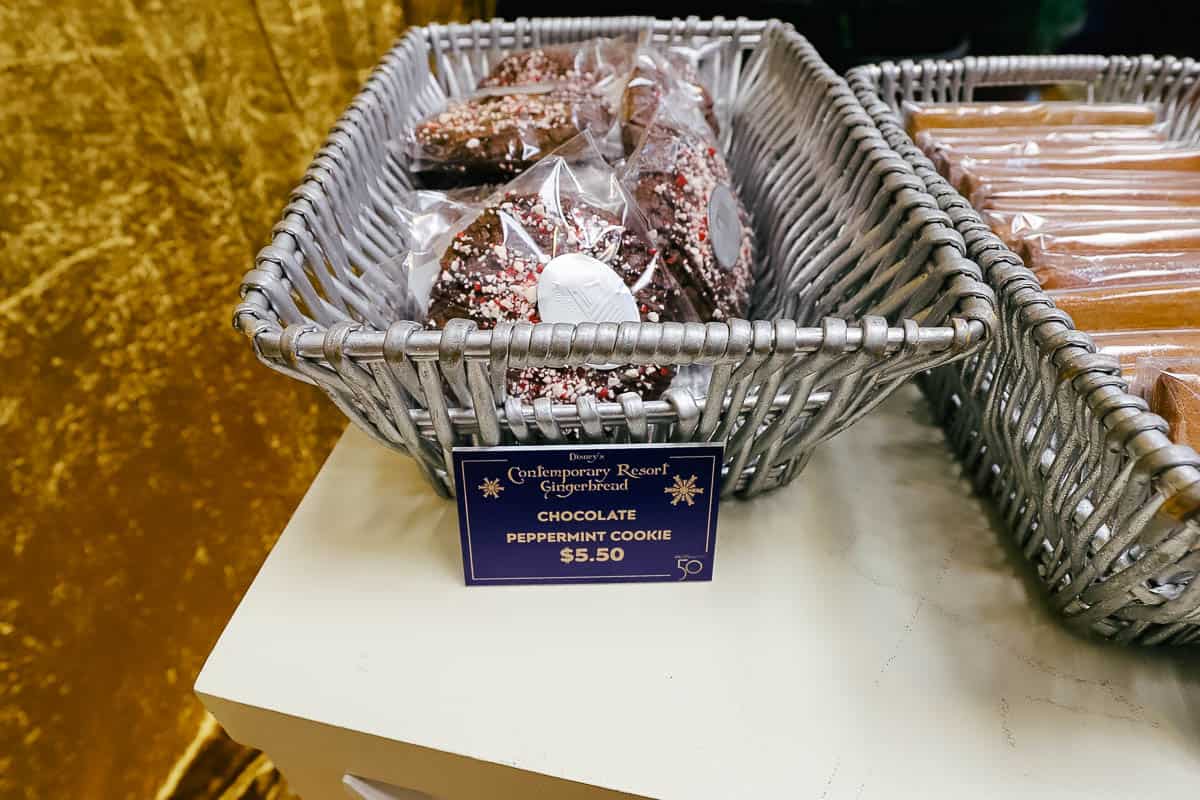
[(491, 487), (684, 490)]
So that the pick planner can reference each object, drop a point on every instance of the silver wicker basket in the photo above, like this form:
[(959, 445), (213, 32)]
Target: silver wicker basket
[(861, 281), (1096, 495)]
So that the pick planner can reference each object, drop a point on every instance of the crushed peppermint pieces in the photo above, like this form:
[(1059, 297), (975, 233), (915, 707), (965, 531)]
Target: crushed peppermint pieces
[(674, 193), (496, 134), (540, 65), (489, 278)]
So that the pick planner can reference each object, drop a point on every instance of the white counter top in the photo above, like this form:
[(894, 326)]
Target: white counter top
[(866, 636)]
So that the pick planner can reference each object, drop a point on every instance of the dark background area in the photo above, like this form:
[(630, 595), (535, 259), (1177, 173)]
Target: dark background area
[(850, 32)]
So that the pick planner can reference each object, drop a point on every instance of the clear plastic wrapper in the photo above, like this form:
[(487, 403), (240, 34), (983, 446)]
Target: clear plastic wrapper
[(1078, 270), (1004, 114), (493, 137), (564, 242), (1025, 154), (663, 80), (1117, 208), (1052, 190), (1161, 240), (1175, 165), (1127, 308), (426, 216), (682, 185), (1132, 348), (527, 106), (1040, 186), (601, 64), (1175, 397), (1069, 136), (1014, 226)]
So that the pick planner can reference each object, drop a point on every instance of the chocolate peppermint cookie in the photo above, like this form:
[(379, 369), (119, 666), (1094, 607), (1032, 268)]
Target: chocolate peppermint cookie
[(493, 271), (657, 79), (682, 185), (541, 65), (594, 62), (494, 137), (529, 103)]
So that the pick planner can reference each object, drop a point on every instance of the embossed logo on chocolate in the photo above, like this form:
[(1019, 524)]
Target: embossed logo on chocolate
[(724, 226), (575, 287)]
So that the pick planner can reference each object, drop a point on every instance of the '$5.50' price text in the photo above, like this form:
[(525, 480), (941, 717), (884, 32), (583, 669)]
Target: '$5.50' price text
[(578, 555)]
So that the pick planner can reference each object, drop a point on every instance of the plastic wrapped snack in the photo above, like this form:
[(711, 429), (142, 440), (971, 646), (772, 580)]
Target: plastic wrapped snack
[(1176, 398), (1133, 347), (1127, 308), (493, 137), (1117, 208), (1177, 166), (1028, 154), (1014, 226), (595, 63), (1078, 270), (527, 106), (426, 216), (966, 139), (1025, 226), (561, 243), (1163, 240), (990, 115), (657, 79), (683, 187), (995, 194), (1063, 187)]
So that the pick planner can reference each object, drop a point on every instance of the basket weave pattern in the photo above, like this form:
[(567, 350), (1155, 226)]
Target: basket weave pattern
[(861, 280), (1094, 492)]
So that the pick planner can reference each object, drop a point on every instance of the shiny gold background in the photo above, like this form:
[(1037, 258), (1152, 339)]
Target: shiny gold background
[(145, 149)]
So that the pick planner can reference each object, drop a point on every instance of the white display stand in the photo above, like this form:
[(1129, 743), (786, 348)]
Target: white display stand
[(866, 636)]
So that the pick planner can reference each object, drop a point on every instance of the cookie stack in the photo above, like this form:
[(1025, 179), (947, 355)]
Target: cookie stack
[(617, 205)]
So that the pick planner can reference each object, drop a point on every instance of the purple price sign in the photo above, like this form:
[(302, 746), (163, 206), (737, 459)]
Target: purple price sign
[(588, 514)]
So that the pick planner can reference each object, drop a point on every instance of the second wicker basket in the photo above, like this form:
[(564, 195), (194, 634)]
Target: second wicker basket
[(1097, 497)]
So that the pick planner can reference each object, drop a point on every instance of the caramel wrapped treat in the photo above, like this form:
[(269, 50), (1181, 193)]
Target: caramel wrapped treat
[(1015, 226), (969, 139), (922, 116), (1078, 270), (1022, 194), (1047, 217), (682, 185), (951, 150), (1028, 155), (1143, 307), (1142, 185), (1116, 208), (1164, 240), (1176, 398), (562, 243), (528, 105), (967, 173), (1132, 348)]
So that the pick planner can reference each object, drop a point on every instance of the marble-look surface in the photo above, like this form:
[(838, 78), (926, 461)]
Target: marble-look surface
[(147, 147)]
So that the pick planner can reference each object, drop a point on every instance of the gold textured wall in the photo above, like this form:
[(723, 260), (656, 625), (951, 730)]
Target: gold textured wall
[(145, 147)]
